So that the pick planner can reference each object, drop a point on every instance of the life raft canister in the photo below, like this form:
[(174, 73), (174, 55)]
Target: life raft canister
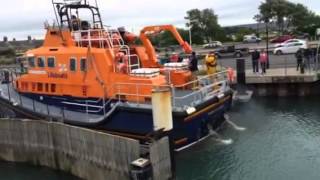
[(230, 75)]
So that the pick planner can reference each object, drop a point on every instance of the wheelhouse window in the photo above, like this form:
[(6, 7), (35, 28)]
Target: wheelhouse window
[(73, 64), (51, 62), (40, 62), (31, 62), (39, 87), (83, 64), (53, 88), (47, 87)]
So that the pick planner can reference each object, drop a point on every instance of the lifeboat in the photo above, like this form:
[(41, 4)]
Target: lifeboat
[(89, 75)]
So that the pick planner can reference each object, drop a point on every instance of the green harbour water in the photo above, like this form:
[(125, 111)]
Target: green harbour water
[(13, 171), (281, 142)]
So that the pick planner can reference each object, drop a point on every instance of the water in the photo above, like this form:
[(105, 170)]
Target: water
[(12, 171), (281, 141)]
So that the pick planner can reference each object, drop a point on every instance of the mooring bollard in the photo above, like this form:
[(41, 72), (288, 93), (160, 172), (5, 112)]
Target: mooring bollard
[(241, 76)]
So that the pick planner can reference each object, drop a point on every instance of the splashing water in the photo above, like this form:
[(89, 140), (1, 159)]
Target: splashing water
[(233, 125), (220, 139)]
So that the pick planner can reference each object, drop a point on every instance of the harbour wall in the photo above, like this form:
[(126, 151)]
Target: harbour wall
[(84, 153), (285, 89)]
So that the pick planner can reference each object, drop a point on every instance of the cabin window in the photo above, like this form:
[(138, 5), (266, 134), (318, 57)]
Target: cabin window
[(39, 87), (24, 86), (33, 86), (73, 64), (51, 62), (40, 61), (53, 88), (83, 64), (31, 62), (47, 87)]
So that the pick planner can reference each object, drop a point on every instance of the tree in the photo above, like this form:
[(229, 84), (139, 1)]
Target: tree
[(287, 14), (204, 25), (165, 38)]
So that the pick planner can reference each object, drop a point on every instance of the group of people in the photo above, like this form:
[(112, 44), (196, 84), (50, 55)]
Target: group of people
[(259, 58), (305, 59)]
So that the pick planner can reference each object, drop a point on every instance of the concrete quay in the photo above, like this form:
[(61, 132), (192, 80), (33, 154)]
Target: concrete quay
[(283, 82), (281, 75), (82, 152)]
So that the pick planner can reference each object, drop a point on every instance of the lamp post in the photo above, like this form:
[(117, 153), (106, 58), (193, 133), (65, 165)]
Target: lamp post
[(190, 36), (267, 43), (267, 19), (190, 32), (318, 47)]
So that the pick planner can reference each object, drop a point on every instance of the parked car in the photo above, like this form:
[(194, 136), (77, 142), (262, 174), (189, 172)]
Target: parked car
[(213, 44), (231, 51), (289, 41), (281, 39), (251, 39), (290, 48)]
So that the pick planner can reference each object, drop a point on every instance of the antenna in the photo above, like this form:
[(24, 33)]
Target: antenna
[(55, 12)]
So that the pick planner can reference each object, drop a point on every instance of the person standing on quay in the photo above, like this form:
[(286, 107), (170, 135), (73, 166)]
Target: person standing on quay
[(255, 61), (299, 56), (307, 56), (263, 61), (193, 66)]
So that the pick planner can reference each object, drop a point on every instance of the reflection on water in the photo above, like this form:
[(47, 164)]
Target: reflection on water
[(11, 171), (282, 141)]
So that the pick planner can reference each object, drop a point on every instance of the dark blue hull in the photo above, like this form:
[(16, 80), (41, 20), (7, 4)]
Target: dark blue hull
[(137, 122)]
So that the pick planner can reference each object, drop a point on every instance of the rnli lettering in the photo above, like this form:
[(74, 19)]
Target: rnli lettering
[(58, 75)]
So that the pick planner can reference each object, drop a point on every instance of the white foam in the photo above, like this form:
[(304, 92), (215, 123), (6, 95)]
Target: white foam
[(234, 125)]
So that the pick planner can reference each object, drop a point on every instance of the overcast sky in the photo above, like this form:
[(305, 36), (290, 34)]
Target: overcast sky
[(20, 18)]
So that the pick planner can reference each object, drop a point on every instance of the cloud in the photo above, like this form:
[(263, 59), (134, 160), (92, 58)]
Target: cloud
[(18, 16)]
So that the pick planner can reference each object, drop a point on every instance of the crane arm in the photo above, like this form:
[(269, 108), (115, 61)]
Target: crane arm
[(149, 30)]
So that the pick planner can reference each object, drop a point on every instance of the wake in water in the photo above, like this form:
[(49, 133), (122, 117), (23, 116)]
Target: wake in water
[(233, 125), (220, 139)]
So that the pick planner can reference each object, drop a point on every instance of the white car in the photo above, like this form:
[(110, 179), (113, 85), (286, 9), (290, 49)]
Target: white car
[(213, 44), (289, 41), (290, 48), (251, 39)]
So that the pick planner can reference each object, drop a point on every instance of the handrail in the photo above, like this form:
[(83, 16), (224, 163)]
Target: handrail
[(200, 90), (205, 91), (201, 78)]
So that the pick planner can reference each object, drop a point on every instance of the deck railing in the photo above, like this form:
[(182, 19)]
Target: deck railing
[(132, 94), (183, 96)]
